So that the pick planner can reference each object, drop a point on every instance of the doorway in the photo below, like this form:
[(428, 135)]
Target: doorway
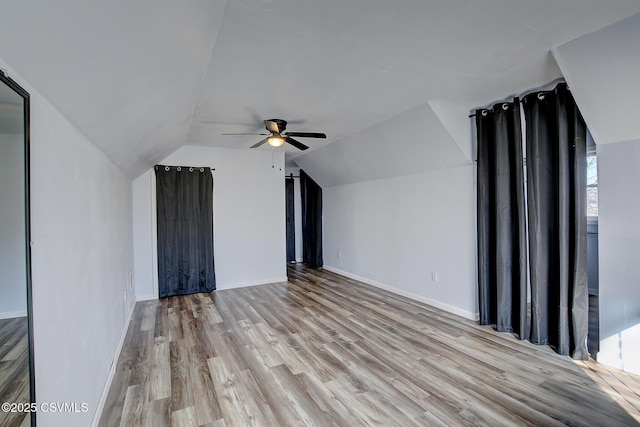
[(293, 214)]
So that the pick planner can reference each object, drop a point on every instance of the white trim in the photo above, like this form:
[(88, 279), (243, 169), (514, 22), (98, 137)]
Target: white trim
[(253, 283), (411, 295), (146, 297), (112, 371), (13, 314)]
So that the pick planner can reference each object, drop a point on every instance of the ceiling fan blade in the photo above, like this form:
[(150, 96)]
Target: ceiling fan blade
[(299, 145), (307, 134), (258, 144), (245, 134), (271, 126)]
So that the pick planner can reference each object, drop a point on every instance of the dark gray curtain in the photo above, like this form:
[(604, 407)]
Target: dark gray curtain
[(502, 250), (311, 195), (556, 217), (556, 172), (185, 230), (290, 220)]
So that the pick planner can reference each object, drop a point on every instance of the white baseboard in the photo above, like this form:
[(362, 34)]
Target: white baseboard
[(438, 304), (13, 314), (252, 283), (145, 297), (112, 371)]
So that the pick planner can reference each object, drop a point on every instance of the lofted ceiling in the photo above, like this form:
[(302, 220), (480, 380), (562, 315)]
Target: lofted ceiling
[(602, 69), (142, 78)]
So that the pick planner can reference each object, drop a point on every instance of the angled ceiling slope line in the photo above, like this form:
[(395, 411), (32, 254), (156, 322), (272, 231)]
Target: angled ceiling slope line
[(412, 142), (602, 70), (455, 119), (127, 75)]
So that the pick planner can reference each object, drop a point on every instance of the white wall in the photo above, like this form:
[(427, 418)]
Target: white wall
[(395, 232), (619, 245), (248, 217), (81, 257), (145, 267), (13, 283)]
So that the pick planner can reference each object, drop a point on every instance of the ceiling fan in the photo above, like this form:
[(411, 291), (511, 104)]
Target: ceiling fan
[(278, 136)]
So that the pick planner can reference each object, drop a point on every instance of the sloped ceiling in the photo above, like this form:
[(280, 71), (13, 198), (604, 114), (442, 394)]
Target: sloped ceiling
[(127, 74), (142, 78), (408, 143), (603, 72)]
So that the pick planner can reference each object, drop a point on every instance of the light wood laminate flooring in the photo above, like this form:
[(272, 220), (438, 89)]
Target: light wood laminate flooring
[(325, 350), (14, 369)]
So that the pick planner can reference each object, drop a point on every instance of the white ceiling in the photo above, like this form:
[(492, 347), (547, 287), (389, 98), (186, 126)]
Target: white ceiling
[(142, 78), (603, 71), (380, 151)]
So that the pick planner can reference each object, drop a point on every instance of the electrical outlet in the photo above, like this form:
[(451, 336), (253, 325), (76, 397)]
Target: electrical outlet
[(434, 276)]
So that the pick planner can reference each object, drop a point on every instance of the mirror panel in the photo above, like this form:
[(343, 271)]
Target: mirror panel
[(16, 356)]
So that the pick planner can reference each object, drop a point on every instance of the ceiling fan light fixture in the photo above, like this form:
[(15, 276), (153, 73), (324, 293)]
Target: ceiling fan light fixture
[(275, 140), (277, 135)]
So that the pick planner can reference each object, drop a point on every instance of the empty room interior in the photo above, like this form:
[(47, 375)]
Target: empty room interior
[(278, 212)]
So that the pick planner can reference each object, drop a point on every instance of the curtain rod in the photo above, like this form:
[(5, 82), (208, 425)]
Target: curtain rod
[(484, 110), (185, 167), (552, 87)]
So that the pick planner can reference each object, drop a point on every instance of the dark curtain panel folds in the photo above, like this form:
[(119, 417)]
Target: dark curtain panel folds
[(185, 230), (556, 172), (311, 194), (290, 224), (502, 250)]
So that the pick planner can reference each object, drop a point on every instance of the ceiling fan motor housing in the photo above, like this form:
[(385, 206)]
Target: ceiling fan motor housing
[(282, 124)]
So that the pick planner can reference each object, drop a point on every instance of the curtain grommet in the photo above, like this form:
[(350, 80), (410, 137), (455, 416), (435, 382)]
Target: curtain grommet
[(190, 169), (167, 168), (484, 113), (201, 169), (505, 106), (541, 96), (178, 168)]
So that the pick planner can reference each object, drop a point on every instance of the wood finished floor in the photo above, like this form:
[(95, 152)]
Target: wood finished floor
[(321, 350), (14, 369)]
